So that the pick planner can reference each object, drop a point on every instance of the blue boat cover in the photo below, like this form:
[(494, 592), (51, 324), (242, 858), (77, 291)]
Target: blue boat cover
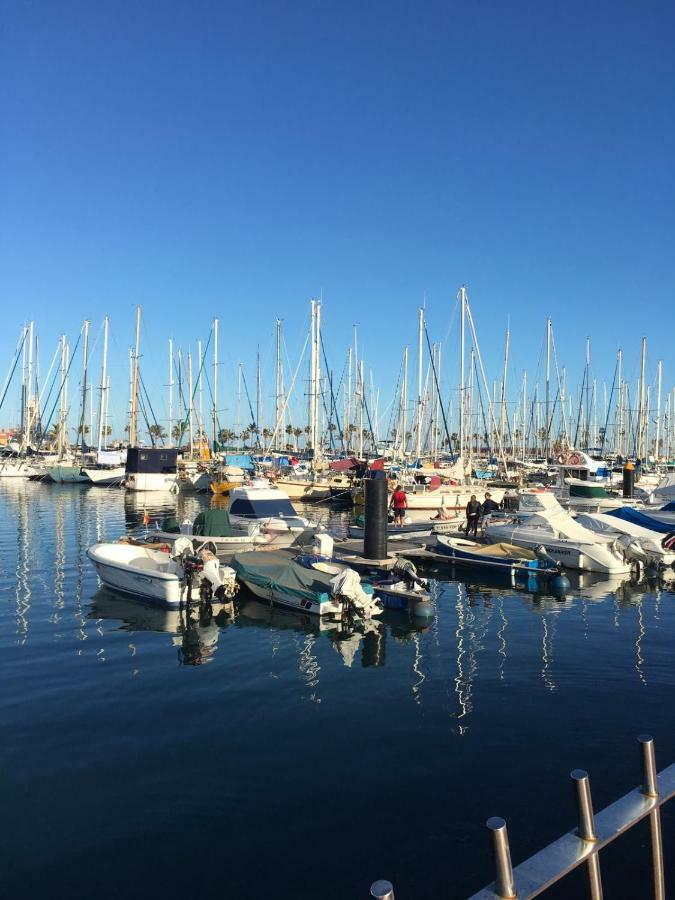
[(243, 460), (669, 507), (628, 514)]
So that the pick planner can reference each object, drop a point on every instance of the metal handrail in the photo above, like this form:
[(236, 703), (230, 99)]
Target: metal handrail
[(583, 844)]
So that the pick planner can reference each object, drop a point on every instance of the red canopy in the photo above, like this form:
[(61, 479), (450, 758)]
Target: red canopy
[(343, 465)]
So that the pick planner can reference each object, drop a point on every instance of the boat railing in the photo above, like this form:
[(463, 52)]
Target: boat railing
[(582, 845)]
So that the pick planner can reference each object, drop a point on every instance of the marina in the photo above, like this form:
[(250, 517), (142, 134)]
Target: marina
[(337, 451), (115, 678)]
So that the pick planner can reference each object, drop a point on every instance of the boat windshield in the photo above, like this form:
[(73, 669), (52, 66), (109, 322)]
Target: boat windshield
[(262, 509)]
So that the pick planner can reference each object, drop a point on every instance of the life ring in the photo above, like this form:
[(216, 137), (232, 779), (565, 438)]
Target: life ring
[(561, 459), (575, 459)]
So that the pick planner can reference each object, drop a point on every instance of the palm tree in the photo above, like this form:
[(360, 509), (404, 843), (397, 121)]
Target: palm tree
[(297, 432), (245, 435), (177, 432), (157, 432)]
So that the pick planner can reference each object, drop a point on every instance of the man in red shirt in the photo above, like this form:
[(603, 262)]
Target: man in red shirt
[(399, 502)]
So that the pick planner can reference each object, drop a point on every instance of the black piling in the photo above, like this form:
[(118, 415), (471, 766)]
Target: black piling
[(628, 480), (375, 532)]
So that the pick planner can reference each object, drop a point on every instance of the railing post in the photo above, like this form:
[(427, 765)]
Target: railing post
[(586, 829), (650, 788), (504, 885), (382, 890)]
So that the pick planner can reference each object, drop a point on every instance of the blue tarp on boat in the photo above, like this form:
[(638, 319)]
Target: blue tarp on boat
[(628, 514), (243, 460)]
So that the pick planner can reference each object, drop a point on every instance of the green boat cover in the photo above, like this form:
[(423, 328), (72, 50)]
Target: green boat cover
[(280, 572), (171, 525), (213, 523)]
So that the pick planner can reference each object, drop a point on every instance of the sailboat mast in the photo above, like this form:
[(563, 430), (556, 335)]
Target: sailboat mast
[(278, 411), (190, 390), (657, 451), (548, 389), (133, 425), (104, 374), (85, 363), (404, 403), (618, 437), (420, 401), (171, 389), (641, 410), (215, 383), (462, 331)]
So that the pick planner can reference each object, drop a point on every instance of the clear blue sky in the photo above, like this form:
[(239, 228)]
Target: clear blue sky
[(234, 159)]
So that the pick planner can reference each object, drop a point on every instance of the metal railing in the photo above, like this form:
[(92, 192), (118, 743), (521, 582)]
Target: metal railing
[(582, 845)]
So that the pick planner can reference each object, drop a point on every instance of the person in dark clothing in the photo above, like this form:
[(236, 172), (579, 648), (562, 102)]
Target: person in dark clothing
[(489, 505), (472, 516)]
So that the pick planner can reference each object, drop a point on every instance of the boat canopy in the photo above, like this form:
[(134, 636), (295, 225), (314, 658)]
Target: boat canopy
[(628, 514), (280, 572), (213, 523), (243, 460)]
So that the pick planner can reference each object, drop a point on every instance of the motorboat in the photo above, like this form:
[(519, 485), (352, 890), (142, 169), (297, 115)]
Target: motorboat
[(161, 577), (266, 504), (214, 527), (495, 556), (399, 589), (541, 520), (654, 542), (408, 529), (276, 577)]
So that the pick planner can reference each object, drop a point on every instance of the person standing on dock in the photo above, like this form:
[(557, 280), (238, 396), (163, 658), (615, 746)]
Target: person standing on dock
[(489, 505), (472, 516), (399, 503)]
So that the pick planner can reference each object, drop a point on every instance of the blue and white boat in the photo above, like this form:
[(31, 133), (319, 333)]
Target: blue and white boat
[(495, 556)]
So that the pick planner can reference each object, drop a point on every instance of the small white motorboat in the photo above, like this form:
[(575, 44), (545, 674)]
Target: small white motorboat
[(161, 577)]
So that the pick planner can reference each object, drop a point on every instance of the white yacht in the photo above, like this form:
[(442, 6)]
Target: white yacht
[(541, 520)]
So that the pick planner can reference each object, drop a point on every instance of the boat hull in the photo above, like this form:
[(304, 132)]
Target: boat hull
[(270, 594), (66, 474), (584, 557), (105, 477), (151, 481), (156, 587)]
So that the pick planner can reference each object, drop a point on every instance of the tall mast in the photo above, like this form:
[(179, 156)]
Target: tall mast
[(404, 403), (361, 409), (258, 399), (618, 437), (63, 406), (190, 389), (104, 376), (502, 409), (29, 389), (215, 383), (24, 399), (420, 400), (462, 320), (171, 389), (657, 450), (238, 422), (524, 413), (133, 425), (641, 409), (548, 388), (85, 364), (200, 423), (278, 391)]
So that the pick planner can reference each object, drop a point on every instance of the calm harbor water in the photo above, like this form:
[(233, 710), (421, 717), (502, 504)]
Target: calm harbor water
[(257, 754)]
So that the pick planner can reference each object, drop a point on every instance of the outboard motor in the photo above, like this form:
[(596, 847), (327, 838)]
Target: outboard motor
[(407, 572), (544, 556), (630, 548)]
